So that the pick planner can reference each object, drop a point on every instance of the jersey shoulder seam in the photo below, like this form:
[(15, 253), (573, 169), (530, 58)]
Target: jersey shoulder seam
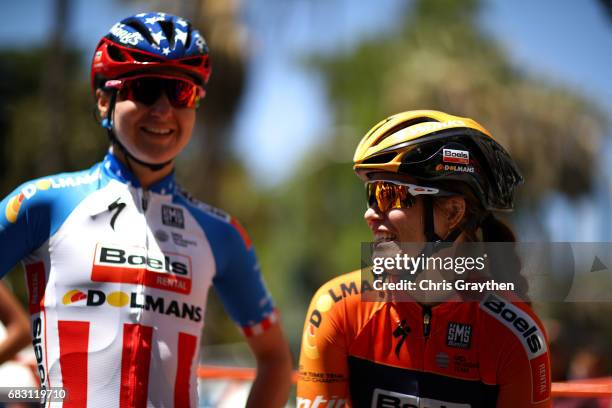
[(202, 207)]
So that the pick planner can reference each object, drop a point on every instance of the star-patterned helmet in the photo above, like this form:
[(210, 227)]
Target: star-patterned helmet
[(148, 42)]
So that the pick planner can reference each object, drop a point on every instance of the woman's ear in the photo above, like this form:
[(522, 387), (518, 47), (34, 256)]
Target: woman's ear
[(103, 102), (453, 210)]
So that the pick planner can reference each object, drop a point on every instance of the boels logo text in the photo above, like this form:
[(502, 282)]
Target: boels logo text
[(136, 265)]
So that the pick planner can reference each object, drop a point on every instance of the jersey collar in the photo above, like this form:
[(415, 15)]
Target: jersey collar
[(118, 171)]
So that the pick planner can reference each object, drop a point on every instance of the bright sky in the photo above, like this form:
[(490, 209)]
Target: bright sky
[(284, 111)]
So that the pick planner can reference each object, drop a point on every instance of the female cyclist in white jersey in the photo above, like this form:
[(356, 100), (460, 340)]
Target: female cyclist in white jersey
[(119, 259)]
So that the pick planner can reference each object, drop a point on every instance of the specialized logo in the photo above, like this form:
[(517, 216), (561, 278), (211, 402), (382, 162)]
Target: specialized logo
[(29, 190), (116, 205), (134, 300), (136, 265), (458, 335), (455, 156), (390, 399), (401, 332), (173, 216)]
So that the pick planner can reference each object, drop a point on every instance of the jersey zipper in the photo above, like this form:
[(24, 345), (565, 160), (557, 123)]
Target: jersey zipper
[(426, 321), (144, 200)]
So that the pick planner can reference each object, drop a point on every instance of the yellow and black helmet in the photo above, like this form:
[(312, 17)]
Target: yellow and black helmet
[(433, 146)]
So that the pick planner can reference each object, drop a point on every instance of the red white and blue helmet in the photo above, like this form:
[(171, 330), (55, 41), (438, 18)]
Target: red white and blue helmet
[(149, 42)]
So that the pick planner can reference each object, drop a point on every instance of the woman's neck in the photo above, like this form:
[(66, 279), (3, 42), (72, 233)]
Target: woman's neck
[(146, 177)]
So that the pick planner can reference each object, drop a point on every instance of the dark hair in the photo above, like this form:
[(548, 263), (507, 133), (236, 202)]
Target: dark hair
[(480, 225)]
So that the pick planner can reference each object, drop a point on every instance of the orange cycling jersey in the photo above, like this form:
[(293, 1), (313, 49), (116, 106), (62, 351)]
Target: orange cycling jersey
[(487, 353)]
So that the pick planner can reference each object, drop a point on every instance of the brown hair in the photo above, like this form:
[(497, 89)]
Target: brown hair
[(480, 225)]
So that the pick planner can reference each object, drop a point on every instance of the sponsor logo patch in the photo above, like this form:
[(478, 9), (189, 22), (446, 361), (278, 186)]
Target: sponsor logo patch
[(385, 399), (120, 299), (173, 216), (462, 364), (323, 303), (319, 402), (29, 190), (442, 360), (161, 235), (458, 335), (136, 265), (531, 338), (455, 156), (452, 167)]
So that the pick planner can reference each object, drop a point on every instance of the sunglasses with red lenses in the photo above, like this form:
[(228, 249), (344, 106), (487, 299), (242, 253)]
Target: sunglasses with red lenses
[(181, 93)]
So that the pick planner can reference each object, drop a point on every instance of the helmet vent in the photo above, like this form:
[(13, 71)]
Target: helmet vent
[(406, 124), (115, 54), (194, 62), (188, 40), (140, 57), (138, 26), (381, 158), (168, 29)]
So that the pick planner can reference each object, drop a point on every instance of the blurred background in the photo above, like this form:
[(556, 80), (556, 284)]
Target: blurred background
[(295, 85)]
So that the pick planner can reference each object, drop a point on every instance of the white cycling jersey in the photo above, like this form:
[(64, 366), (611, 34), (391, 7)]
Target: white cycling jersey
[(118, 278)]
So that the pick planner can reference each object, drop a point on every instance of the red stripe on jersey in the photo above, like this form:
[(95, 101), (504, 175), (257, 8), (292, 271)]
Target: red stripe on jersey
[(540, 373), (243, 233), (35, 277), (74, 344), (135, 361), (186, 350)]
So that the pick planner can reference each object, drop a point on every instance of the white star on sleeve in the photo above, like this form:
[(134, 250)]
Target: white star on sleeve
[(166, 51), (151, 20), (181, 22), (181, 35), (158, 37), (141, 15)]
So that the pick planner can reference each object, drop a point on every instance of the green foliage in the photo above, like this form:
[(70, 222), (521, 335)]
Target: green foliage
[(438, 58), (28, 148)]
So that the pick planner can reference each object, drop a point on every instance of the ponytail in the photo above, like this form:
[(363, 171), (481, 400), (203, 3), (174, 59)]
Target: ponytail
[(506, 267), (480, 225)]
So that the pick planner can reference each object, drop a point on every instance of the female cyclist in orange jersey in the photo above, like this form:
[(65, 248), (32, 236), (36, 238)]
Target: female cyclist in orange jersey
[(430, 178)]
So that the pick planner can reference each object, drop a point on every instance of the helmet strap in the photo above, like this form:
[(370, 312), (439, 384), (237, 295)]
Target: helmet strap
[(434, 241), (107, 123)]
